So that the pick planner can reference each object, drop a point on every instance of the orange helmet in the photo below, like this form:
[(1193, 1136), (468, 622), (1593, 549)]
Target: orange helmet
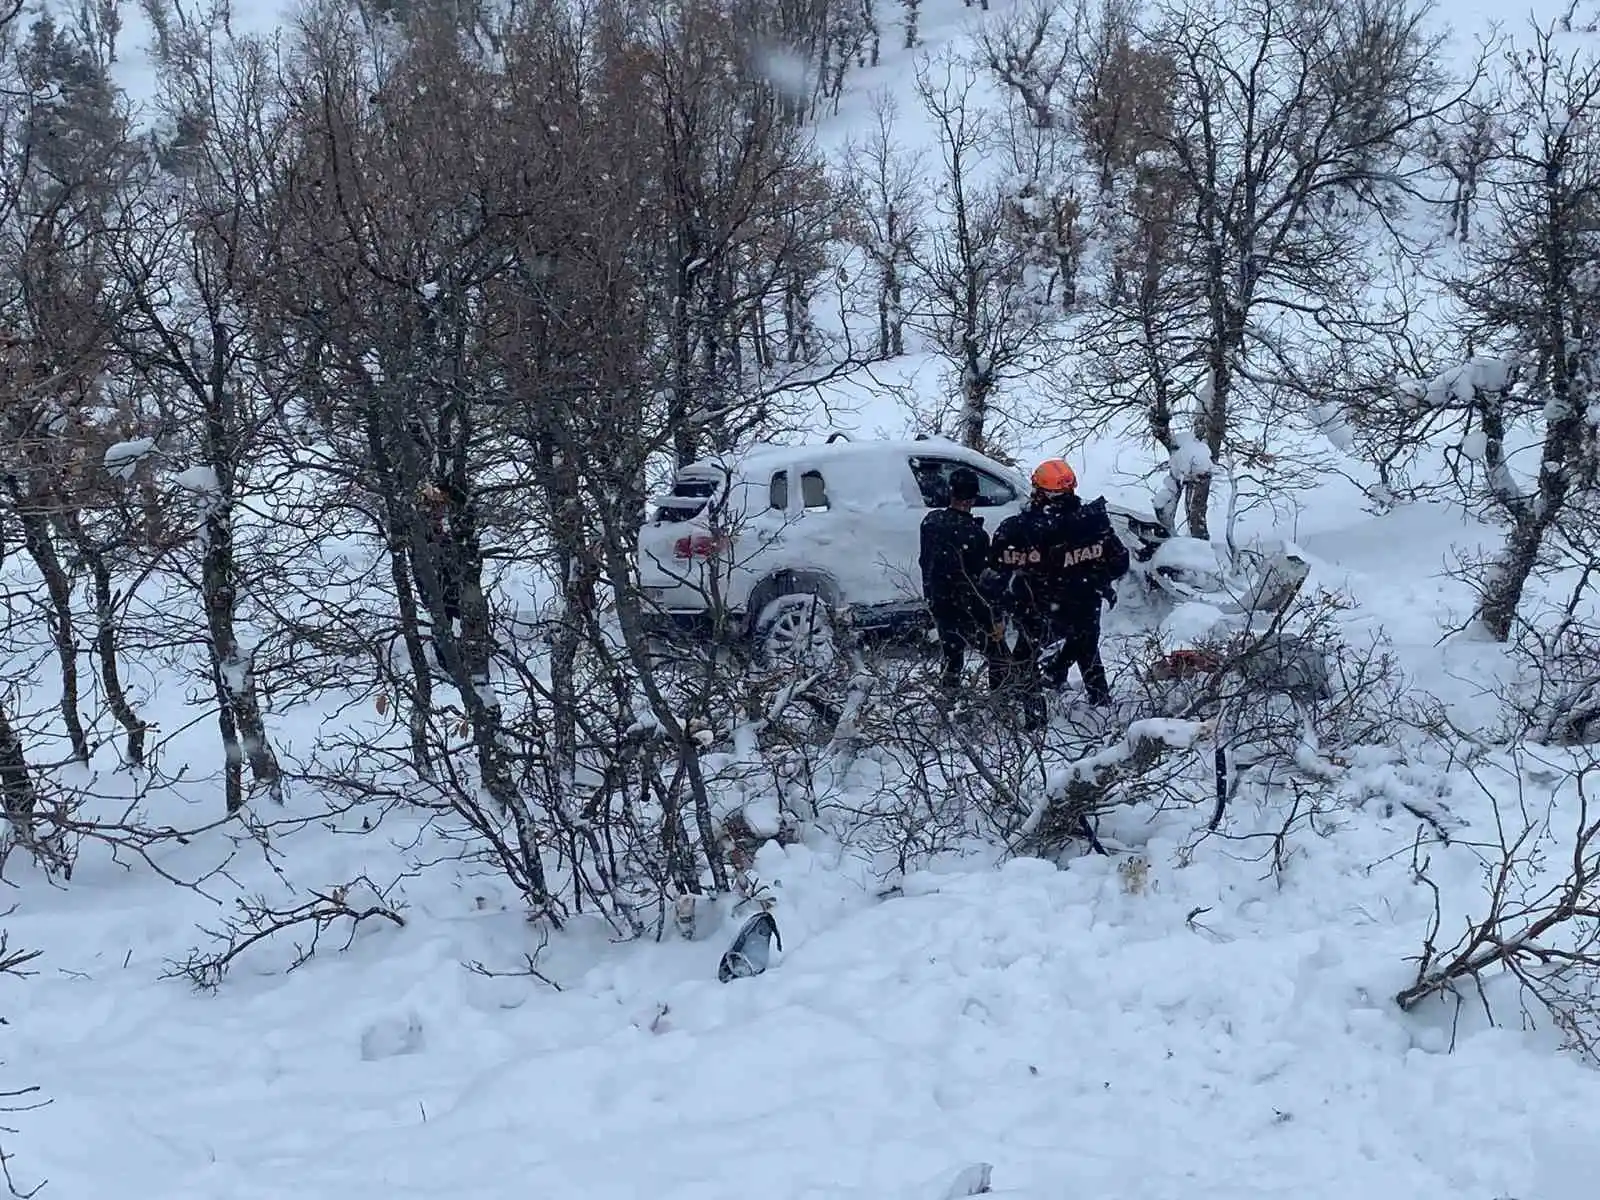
[(1054, 477)]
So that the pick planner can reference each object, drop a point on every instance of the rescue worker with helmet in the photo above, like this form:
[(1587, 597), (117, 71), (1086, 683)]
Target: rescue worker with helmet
[(1051, 566)]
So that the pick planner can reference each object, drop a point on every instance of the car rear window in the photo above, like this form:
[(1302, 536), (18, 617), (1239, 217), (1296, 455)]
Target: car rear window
[(688, 498), (696, 487)]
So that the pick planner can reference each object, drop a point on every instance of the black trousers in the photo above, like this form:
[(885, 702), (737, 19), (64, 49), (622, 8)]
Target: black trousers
[(964, 628), (1079, 637)]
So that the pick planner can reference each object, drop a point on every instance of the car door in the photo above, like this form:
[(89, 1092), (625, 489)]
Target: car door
[(853, 522), (767, 511), (816, 539)]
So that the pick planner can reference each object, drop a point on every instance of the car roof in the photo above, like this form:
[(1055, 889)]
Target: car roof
[(768, 456)]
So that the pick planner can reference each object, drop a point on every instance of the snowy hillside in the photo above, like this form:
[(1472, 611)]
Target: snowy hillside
[(466, 943)]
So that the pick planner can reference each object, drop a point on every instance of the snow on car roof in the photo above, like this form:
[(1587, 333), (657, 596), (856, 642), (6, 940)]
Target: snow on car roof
[(767, 456)]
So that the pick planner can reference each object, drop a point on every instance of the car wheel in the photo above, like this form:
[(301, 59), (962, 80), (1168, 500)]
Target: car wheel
[(796, 630)]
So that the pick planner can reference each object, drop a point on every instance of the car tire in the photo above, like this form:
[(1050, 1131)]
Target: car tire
[(799, 630)]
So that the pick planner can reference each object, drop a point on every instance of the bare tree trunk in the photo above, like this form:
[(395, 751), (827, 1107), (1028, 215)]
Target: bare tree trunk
[(41, 549), (630, 619), (420, 702), (563, 502), (218, 580), (797, 319), (232, 751), (1225, 337), (1212, 428), (1533, 518), (564, 677), (242, 722), (17, 793), (420, 706), (106, 651), (977, 386), (105, 647), (1508, 578), (682, 401), (912, 11), (465, 656)]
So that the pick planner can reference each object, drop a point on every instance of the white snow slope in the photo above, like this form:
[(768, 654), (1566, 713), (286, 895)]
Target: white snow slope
[(1191, 1023)]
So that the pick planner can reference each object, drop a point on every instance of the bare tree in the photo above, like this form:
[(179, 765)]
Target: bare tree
[(912, 15), (1046, 210), (1122, 90), (976, 300), (75, 155), (1030, 51), (1289, 132), (185, 278), (1529, 312), (393, 227), (1465, 147), (887, 205), (746, 202)]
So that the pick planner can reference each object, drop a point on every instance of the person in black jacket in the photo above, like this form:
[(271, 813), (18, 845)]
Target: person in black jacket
[(1054, 563), (955, 552)]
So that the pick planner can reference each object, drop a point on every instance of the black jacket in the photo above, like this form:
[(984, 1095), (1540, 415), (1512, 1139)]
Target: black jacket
[(955, 551), (1055, 561)]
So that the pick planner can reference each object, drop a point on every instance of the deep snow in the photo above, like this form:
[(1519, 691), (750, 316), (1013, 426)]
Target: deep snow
[(1175, 1022), (1106, 1030)]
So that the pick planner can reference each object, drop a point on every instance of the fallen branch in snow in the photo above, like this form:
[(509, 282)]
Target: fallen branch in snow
[(1074, 794), (1545, 936), (257, 921), (7, 1105), (12, 961), (1306, 810), (529, 969)]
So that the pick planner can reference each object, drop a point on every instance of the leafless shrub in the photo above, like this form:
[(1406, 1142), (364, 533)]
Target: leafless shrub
[(1539, 924), (14, 962), (934, 780), (257, 920), (1556, 701)]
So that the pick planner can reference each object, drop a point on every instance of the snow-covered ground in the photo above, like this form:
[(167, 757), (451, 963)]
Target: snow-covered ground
[(1184, 1019), (1181, 1021)]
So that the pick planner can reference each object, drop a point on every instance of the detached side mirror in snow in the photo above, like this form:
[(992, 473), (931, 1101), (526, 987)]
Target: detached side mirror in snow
[(751, 950)]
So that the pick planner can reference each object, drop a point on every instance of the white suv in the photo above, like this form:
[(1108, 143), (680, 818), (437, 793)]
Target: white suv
[(783, 539)]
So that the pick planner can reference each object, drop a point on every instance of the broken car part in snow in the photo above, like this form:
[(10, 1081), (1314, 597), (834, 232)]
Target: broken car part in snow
[(751, 950)]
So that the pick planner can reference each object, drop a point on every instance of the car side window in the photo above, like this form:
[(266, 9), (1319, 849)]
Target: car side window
[(932, 476), (778, 492), (813, 491), (933, 480), (992, 492)]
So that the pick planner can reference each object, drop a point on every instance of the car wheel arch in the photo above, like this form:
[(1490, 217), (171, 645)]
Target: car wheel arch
[(791, 582)]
